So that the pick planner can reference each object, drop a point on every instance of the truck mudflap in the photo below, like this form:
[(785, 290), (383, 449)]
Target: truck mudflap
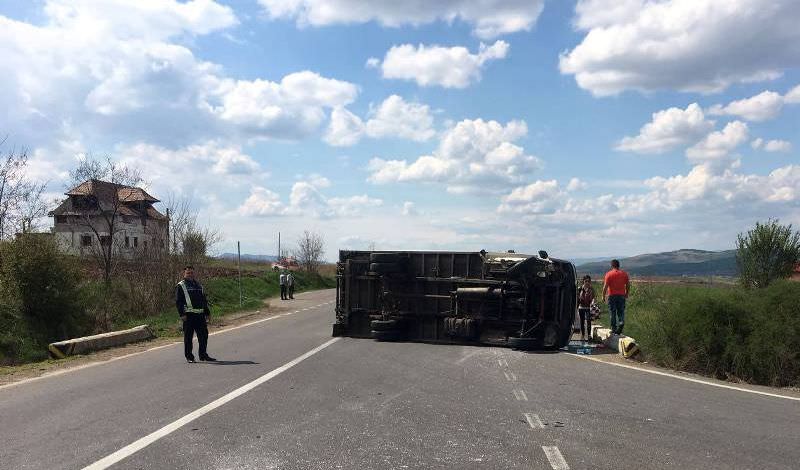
[(506, 299)]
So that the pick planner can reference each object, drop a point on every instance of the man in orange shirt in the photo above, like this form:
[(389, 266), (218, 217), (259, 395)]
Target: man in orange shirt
[(616, 286)]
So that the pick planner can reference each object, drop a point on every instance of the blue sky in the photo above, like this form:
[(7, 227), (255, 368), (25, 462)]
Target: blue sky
[(584, 128)]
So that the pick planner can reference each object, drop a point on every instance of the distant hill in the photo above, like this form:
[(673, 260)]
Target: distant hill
[(249, 257), (686, 262)]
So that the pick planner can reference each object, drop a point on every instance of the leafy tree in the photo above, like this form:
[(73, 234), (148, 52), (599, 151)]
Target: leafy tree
[(768, 252)]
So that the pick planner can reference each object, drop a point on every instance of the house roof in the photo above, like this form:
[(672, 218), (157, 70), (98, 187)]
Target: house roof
[(104, 189)]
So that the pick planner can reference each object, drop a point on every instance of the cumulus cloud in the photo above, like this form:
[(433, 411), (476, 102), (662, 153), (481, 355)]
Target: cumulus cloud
[(771, 145), (394, 117), (719, 144), (761, 107), (409, 209), (688, 45), (121, 68), (306, 200), (575, 184), (474, 155), (667, 130), (793, 95), (488, 18), (448, 67)]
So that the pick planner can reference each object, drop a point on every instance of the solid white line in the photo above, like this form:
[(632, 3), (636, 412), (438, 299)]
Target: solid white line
[(140, 444), (502, 363), (520, 395), (555, 458), (688, 379), (534, 421), (137, 353), (510, 376)]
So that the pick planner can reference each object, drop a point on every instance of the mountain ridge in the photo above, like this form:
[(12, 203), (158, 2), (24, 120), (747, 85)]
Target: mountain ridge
[(682, 262)]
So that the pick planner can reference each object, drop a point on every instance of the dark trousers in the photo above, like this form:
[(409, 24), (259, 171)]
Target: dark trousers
[(195, 323), (291, 291), (616, 310), (283, 291), (586, 319)]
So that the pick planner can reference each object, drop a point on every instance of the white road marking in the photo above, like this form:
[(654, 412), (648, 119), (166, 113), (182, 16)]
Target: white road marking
[(502, 362), (520, 395), (688, 379), (140, 444), (510, 376), (137, 353), (534, 421), (555, 458)]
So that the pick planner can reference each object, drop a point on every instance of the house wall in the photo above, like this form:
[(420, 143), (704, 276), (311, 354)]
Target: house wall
[(139, 236)]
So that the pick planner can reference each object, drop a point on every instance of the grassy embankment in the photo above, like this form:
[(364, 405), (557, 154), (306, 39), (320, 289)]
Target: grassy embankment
[(223, 297), (725, 332)]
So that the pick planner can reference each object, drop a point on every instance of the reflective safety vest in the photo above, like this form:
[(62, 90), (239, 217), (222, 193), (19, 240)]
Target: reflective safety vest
[(189, 307)]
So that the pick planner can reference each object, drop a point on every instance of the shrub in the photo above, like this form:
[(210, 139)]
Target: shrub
[(768, 252)]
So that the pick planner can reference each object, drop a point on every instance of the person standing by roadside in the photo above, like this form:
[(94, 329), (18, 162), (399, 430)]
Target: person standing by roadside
[(282, 282), (585, 299), (190, 299), (290, 284), (616, 287)]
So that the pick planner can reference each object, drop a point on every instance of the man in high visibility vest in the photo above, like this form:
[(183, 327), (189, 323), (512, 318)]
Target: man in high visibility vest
[(190, 298)]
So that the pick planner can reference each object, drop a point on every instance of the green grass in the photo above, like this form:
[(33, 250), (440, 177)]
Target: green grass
[(223, 297), (751, 335)]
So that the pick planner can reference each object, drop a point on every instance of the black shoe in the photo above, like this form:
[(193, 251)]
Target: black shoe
[(208, 358), (190, 360)]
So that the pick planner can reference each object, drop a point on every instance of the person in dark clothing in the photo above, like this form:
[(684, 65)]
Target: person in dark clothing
[(585, 300), (190, 299)]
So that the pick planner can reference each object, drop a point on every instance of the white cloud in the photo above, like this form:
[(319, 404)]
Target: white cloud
[(761, 107), (688, 45), (489, 18), (667, 130), (306, 200), (777, 146), (394, 117), (448, 67), (474, 155), (536, 198), (757, 143), (575, 184), (409, 209), (793, 95), (719, 144)]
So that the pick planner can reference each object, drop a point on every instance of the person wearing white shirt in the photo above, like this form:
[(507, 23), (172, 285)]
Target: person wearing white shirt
[(282, 282)]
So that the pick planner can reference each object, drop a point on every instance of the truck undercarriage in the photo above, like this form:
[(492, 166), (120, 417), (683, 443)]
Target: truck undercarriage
[(507, 299)]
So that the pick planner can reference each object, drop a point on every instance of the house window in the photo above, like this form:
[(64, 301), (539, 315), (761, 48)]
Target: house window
[(135, 242), (61, 219), (86, 240), (127, 242), (105, 240), (145, 244), (127, 219)]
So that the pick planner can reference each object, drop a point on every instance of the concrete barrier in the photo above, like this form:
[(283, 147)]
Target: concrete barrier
[(87, 344), (624, 345)]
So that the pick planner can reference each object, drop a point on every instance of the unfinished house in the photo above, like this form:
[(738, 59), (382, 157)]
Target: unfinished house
[(97, 214)]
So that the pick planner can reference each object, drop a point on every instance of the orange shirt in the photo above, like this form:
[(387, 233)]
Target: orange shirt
[(616, 280)]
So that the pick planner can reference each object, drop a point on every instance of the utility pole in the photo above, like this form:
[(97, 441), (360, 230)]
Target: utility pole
[(279, 247), (239, 265)]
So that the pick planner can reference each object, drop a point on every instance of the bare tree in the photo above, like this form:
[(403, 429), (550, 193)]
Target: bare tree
[(104, 206), (187, 237), (21, 204), (310, 248)]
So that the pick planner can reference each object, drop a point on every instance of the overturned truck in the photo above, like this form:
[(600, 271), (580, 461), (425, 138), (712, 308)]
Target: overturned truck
[(506, 299)]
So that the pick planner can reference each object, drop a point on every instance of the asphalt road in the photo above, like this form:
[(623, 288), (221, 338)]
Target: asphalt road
[(287, 396)]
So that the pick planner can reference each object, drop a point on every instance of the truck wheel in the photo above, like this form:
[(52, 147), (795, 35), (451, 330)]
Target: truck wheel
[(523, 344), (387, 335), (384, 257), (383, 325), (385, 268)]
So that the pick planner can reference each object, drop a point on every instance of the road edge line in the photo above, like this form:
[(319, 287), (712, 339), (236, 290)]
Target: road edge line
[(154, 436), (688, 379)]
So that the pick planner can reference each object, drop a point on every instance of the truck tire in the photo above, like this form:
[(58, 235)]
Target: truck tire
[(385, 268), (387, 335), (384, 257), (383, 325), (523, 344)]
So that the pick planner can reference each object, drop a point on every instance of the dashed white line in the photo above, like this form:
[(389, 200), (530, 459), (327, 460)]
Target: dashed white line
[(140, 444), (534, 421), (520, 395), (510, 376), (502, 363), (555, 458)]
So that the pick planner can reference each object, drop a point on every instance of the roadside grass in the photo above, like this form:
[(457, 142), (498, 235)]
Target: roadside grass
[(223, 297), (726, 332)]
